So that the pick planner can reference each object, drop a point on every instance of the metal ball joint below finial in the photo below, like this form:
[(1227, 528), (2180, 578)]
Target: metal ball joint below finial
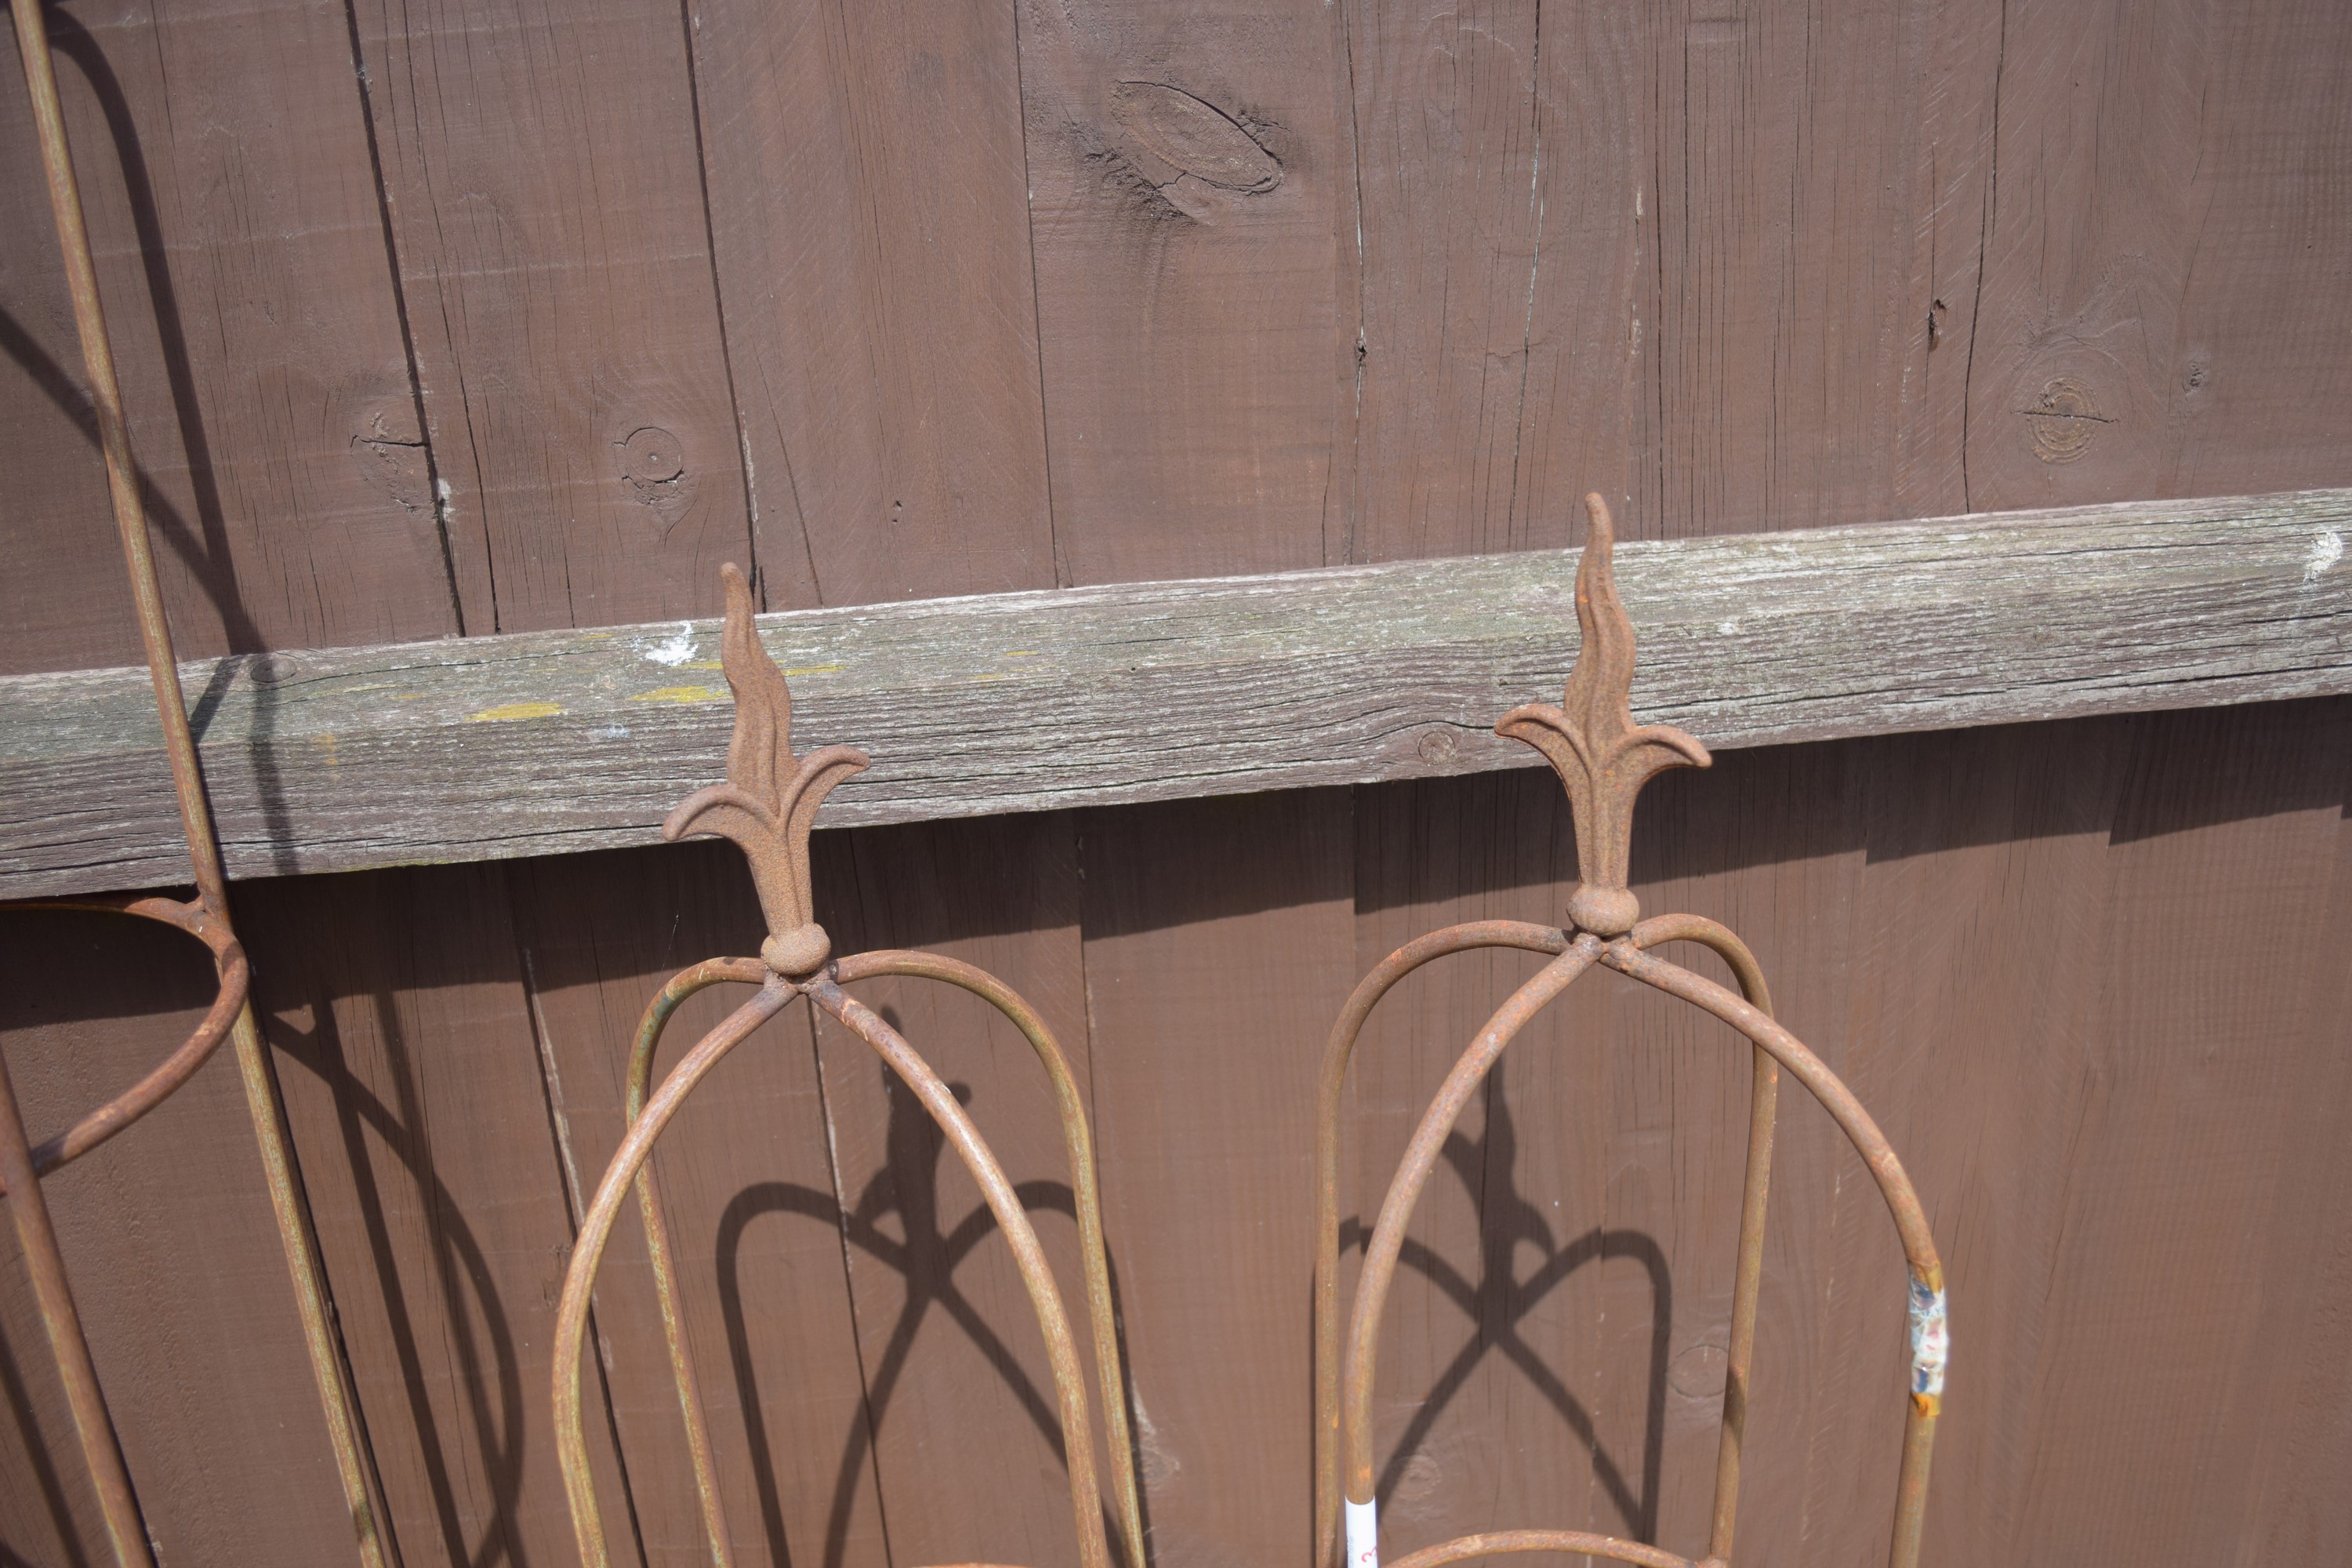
[(799, 953)]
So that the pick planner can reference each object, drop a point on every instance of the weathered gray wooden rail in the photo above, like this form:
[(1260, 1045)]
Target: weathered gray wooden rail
[(343, 758)]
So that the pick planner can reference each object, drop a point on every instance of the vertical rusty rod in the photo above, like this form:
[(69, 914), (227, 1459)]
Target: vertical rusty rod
[(1748, 1277), (1085, 1188), (30, 1209), (1339, 1050), (187, 777), (1412, 1175), (661, 1253)]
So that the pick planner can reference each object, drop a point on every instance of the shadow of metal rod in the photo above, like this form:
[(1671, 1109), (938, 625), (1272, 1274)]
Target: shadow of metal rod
[(1077, 1142), (1748, 1276), (208, 918), (1337, 1052)]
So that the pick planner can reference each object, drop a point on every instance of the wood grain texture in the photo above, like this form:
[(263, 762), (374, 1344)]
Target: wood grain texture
[(1187, 176), (533, 743), (1497, 168), (226, 177), (2160, 221), (1807, 167), (869, 218), (176, 1271), (750, 1190), (1226, 921), (545, 198), (967, 1455), (419, 1111)]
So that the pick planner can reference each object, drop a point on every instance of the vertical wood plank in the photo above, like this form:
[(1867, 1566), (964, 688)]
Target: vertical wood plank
[(869, 216), (1963, 1030), (1186, 169), (2200, 1068), (2260, 382), (968, 1445), (226, 180), (176, 1269), (1796, 181), (2160, 225), (748, 1190), (546, 201), (420, 1115), (1497, 151), (1220, 937)]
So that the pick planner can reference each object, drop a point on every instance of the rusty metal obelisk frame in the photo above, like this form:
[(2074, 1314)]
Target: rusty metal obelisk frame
[(206, 918), (767, 806), (1603, 759)]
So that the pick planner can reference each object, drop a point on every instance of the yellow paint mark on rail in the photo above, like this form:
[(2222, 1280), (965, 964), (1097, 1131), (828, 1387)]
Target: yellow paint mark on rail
[(515, 710), (682, 694), (819, 669)]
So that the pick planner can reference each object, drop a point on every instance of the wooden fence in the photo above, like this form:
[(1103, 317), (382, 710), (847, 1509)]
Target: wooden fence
[(461, 320)]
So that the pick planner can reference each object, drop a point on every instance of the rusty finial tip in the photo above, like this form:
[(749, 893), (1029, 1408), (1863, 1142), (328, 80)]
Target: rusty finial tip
[(1601, 756), (768, 804)]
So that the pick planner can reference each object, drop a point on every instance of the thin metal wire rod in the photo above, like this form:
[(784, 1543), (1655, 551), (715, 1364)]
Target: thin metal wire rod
[(1085, 1184), (1420, 1158), (1339, 1050), (354, 1468), (1748, 1276), (174, 1069), (100, 1451), (636, 1147), (1496, 1543), (1894, 1185), (1077, 1141), (658, 1251), (596, 1229), (1036, 1275)]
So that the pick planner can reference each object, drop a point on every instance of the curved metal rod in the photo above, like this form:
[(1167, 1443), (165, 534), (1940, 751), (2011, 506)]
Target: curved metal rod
[(636, 1146), (1747, 1274), (1077, 1140), (596, 1230), (1069, 1379), (1497, 1542), (711, 972), (235, 974), (1910, 1219), (355, 1466), (1339, 1050), (1412, 1175)]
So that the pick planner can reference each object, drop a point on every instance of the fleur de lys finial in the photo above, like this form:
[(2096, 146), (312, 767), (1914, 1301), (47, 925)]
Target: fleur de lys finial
[(769, 801), (1602, 757)]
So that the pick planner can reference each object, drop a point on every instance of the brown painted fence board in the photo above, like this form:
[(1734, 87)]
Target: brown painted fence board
[(526, 744)]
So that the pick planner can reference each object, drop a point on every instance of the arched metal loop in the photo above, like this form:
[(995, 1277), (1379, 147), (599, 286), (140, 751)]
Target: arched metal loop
[(1602, 758), (1785, 1050), (1085, 1185), (767, 806), (228, 961), (636, 1148)]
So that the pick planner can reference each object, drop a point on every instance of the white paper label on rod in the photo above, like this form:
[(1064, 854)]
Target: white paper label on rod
[(1363, 1535)]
